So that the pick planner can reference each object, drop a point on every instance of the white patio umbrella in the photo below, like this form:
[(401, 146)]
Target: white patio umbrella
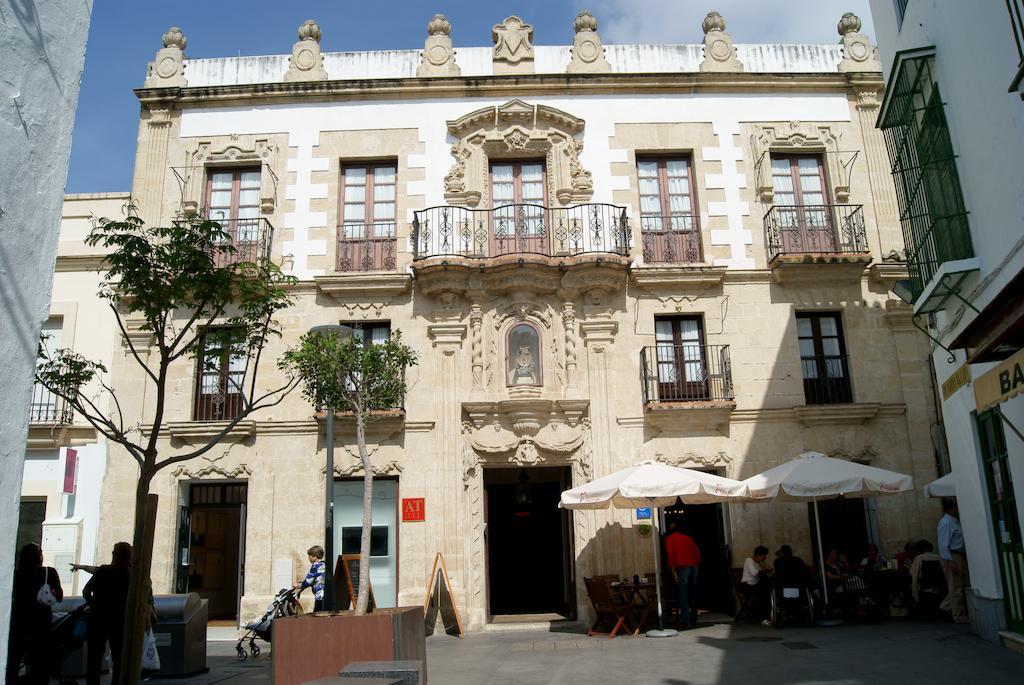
[(814, 476), (942, 487), (650, 484)]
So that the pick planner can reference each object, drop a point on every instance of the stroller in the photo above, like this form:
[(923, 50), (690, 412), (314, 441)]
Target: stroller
[(286, 603), (68, 633)]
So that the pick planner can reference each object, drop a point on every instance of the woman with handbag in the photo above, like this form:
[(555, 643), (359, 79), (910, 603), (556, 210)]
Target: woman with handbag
[(36, 591)]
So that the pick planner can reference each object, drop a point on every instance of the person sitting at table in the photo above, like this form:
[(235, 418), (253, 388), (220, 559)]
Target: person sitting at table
[(906, 557), (790, 570), (925, 552), (755, 582), (833, 571), (873, 561)]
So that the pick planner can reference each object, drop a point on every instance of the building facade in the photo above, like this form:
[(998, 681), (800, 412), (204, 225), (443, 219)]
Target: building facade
[(602, 254), (955, 143), (65, 457)]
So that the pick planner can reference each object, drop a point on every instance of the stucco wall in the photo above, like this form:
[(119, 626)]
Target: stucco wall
[(43, 45)]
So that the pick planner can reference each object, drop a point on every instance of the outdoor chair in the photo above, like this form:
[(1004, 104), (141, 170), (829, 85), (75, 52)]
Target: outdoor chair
[(612, 607), (856, 599), (931, 588), (747, 605)]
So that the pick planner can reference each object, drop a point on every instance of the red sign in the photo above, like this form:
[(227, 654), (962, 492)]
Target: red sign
[(414, 509), (70, 470)]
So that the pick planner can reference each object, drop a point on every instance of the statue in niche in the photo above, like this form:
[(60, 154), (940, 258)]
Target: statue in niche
[(523, 355)]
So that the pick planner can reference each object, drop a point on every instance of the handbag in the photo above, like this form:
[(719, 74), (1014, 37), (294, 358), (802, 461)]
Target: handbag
[(45, 595), (150, 656)]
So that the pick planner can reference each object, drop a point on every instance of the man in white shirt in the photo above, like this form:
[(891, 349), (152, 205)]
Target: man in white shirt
[(754, 582), (954, 563)]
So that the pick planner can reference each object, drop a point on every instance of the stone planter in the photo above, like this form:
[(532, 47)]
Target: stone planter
[(314, 646)]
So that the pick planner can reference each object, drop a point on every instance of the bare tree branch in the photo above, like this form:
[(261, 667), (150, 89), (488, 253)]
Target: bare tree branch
[(131, 346), (199, 333)]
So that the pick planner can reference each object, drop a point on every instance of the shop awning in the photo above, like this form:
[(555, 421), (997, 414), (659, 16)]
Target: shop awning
[(1000, 383)]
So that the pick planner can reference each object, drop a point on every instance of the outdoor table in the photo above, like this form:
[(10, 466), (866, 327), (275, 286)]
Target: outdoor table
[(887, 583), (643, 597)]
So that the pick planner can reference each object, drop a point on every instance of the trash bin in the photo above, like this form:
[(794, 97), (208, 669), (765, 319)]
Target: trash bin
[(181, 633)]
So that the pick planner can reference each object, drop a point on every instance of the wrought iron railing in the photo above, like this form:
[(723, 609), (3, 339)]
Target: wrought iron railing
[(826, 379), (520, 229), (251, 238), (671, 239), (686, 373), (815, 229), (367, 247), (47, 407)]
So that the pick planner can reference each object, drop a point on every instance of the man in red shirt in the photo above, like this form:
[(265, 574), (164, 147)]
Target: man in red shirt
[(683, 559)]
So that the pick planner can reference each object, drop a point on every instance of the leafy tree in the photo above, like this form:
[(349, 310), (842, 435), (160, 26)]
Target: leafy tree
[(356, 378), (189, 286)]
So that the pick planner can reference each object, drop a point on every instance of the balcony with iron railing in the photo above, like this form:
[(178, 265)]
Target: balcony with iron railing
[(826, 379), (687, 386), (48, 408), (520, 230), (671, 239), (367, 247), (252, 240), (801, 236)]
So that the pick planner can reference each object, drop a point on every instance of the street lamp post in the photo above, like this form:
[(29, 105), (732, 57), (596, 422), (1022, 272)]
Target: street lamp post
[(341, 332)]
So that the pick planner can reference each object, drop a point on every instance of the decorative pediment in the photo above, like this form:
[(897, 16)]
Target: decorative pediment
[(795, 137), (240, 150), (514, 130), (513, 47), (210, 469), (692, 459), (355, 468)]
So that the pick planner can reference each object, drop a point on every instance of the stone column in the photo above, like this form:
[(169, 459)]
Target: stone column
[(598, 335), (883, 191), (476, 321), (149, 184), (569, 326), (449, 520)]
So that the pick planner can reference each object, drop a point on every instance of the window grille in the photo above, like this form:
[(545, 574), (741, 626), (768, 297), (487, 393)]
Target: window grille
[(932, 211)]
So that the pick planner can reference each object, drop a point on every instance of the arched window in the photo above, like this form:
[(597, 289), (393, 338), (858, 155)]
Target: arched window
[(523, 356)]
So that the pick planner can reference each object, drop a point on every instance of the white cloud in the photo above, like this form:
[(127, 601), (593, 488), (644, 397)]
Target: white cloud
[(747, 21)]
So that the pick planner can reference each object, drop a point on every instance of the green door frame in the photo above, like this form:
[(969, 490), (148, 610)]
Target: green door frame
[(1003, 507)]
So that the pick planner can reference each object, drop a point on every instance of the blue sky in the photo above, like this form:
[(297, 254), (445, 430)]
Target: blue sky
[(125, 34)]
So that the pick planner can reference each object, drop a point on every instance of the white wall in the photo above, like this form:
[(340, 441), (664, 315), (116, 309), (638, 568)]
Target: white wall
[(43, 48)]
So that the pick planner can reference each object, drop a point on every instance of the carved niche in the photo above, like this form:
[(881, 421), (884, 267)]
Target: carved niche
[(204, 156), (517, 130), (796, 137)]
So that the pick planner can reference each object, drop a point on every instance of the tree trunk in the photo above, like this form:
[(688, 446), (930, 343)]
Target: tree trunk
[(136, 610), (363, 596)]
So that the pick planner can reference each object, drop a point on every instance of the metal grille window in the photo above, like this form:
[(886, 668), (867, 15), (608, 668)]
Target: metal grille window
[(932, 210), (1016, 10), (220, 375), (823, 359)]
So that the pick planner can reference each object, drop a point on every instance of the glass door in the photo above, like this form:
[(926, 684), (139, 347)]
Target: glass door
[(805, 219), (1003, 505), (682, 369), (348, 526), (518, 197)]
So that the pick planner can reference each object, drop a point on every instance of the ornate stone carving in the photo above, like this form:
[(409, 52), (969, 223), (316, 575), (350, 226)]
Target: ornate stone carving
[(587, 51), (719, 52), (202, 156), (355, 468), (476, 319), (168, 69), (569, 328), (438, 56), (513, 47), (306, 62), (517, 127), (800, 136), (210, 469), (688, 459), (858, 53), (868, 99)]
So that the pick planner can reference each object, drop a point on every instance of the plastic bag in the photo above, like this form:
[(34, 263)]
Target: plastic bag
[(150, 655)]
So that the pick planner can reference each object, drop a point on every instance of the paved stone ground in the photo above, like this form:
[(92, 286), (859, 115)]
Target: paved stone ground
[(720, 654)]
